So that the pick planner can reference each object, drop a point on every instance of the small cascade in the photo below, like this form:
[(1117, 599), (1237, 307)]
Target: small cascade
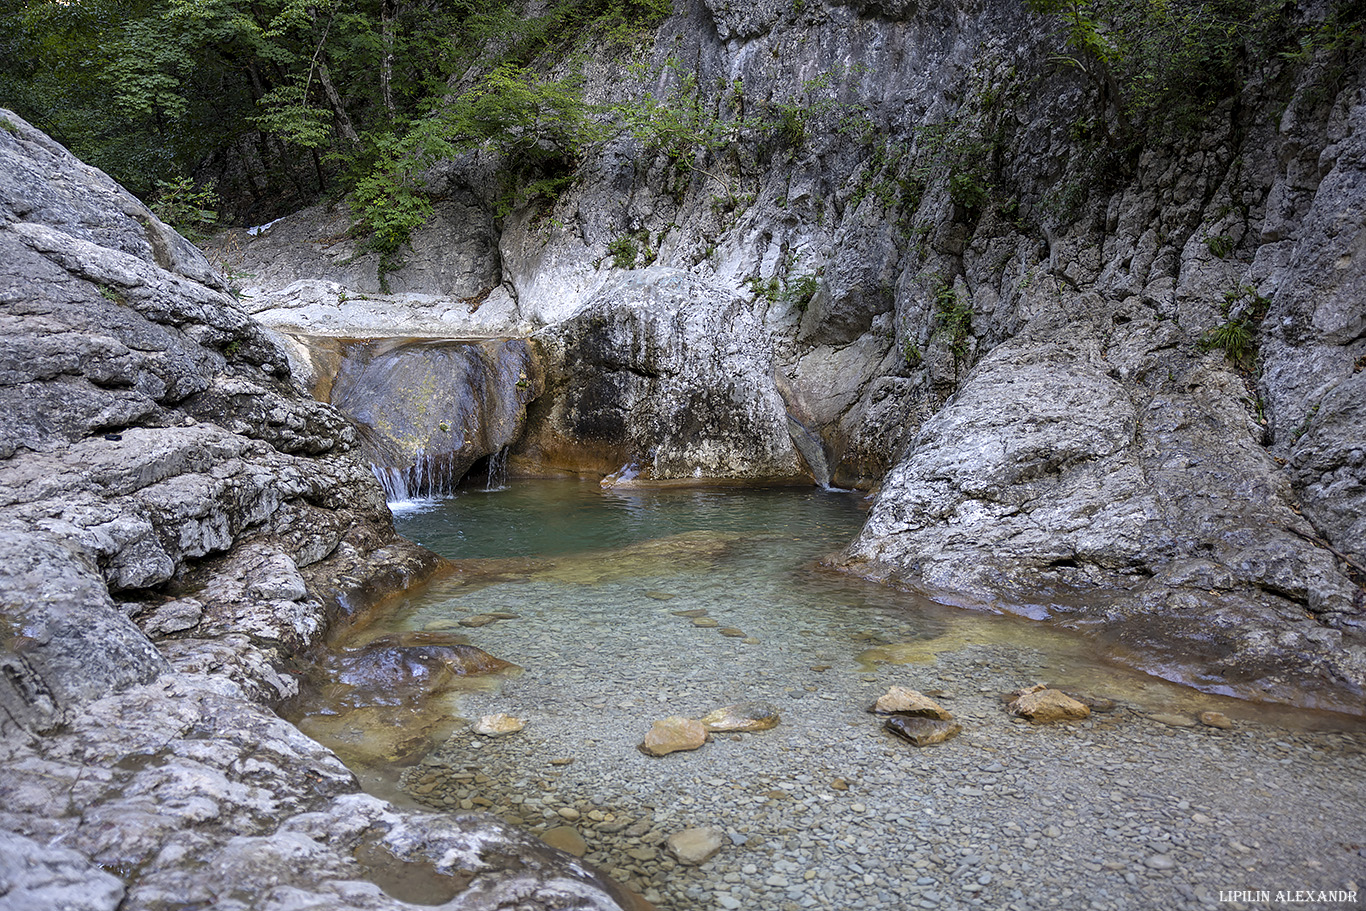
[(498, 471), (429, 476), (812, 449), (428, 409)]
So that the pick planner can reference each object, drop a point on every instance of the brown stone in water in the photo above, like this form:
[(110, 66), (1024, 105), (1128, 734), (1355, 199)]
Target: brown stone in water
[(477, 620), (1095, 703), (922, 731), (413, 660), (732, 632), (705, 622), (898, 700), (567, 839), (1047, 706), (672, 735), (1216, 720), (661, 596), (697, 612), (746, 716), (1025, 691)]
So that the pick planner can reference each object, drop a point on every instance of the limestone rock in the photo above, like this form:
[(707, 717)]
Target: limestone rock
[(694, 847), (431, 408), (667, 370), (1047, 706), (498, 725), (34, 876), (922, 731), (899, 700), (154, 450), (745, 716), (672, 735)]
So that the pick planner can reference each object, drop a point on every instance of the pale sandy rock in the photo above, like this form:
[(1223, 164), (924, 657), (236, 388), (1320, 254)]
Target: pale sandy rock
[(497, 725), (694, 846), (1049, 707), (745, 716), (1216, 720), (900, 700), (672, 735)]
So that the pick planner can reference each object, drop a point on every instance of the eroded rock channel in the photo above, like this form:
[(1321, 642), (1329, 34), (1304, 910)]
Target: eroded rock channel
[(1123, 405)]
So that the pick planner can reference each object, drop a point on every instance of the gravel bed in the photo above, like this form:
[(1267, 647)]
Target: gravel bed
[(828, 810)]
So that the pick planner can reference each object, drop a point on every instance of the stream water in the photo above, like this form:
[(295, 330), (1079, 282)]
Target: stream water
[(623, 606)]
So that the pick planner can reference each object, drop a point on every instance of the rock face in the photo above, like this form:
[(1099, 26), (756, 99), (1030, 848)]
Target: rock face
[(916, 276), (662, 375), (160, 477)]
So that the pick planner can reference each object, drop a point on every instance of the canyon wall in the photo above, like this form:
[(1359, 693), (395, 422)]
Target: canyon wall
[(177, 521)]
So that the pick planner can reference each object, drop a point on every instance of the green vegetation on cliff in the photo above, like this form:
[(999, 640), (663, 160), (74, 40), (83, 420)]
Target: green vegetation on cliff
[(291, 100)]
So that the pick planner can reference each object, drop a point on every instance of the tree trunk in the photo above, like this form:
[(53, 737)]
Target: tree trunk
[(344, 126), (388, 12)]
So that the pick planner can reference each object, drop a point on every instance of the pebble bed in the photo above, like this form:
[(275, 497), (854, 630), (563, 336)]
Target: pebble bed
[(828, 810)]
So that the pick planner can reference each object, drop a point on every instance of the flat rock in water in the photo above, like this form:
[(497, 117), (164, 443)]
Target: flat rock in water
[(705, 622), (1047, 706), (732, 632), (1216, 720), (567, 839), (672, 735), (1173, 720), (899, 700), (476, 620), (922, 731), (694, 846), (696, 612), (661, 596), (745, 716), (498, 725)]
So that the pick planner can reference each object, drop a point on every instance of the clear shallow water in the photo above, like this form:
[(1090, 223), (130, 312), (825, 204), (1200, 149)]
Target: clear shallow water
[(611, 569), (546, 518), (597, 591)]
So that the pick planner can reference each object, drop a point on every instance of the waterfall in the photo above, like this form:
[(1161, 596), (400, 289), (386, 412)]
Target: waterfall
[(428, 409), (498, 471), (812, 448), (429, 476)]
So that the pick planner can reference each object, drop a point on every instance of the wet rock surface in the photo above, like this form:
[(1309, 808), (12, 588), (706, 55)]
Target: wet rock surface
[(160, 477), (662, 375), (429, 409)]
